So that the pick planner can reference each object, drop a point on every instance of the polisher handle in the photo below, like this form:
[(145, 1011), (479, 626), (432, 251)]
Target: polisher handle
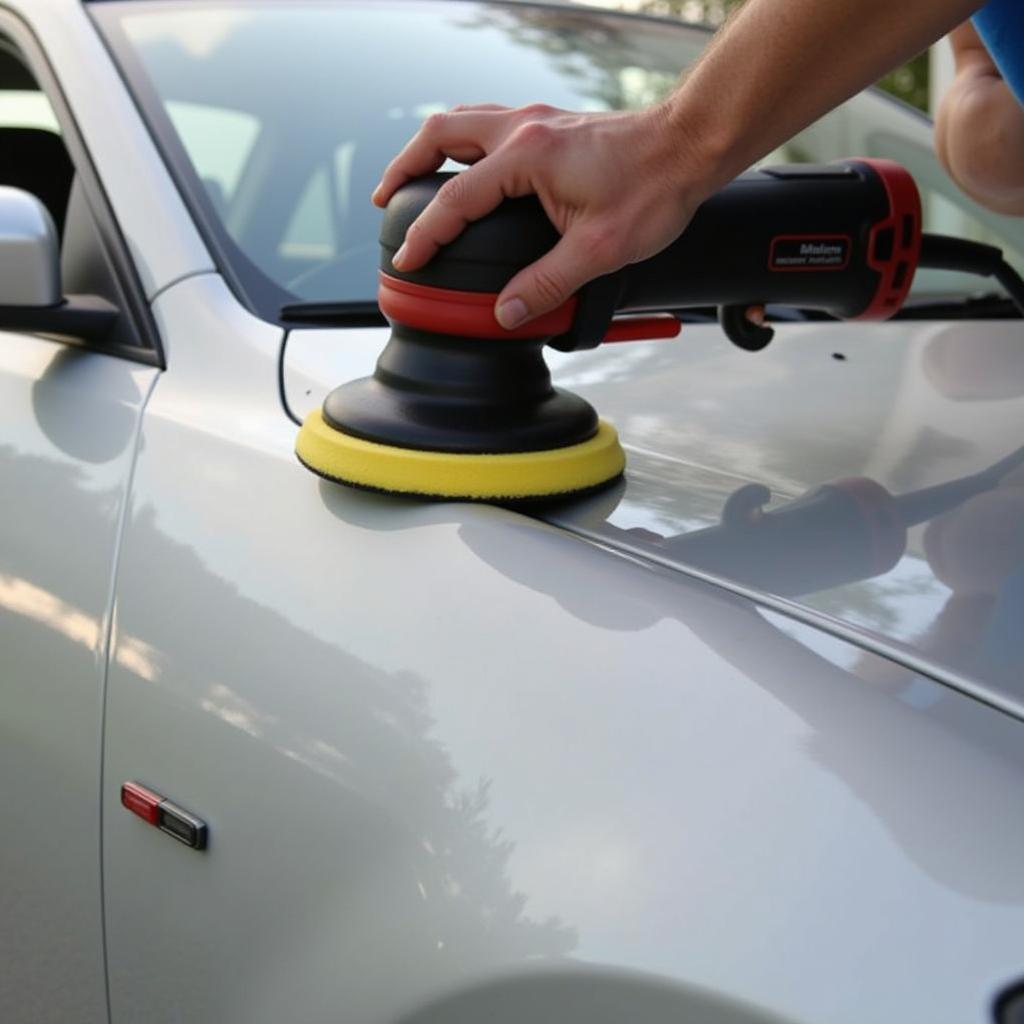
[(843, 238)]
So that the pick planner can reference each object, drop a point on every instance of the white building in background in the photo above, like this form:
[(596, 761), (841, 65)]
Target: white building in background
[(940, 67)]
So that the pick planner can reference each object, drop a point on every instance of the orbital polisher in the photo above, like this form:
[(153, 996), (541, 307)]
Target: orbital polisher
[(460, 408)]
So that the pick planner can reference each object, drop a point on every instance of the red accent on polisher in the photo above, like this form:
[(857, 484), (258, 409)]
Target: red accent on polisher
[(471, 315), (642, 328), (894, 244)]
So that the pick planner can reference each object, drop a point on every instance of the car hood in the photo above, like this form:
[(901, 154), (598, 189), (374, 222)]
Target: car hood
[(835, 475)]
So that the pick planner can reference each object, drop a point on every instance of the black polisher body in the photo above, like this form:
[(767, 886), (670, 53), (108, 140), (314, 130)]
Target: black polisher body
[(446, 392), (841, 238)]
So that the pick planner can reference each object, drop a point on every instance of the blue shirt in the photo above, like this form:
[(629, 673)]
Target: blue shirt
[(1000, 23)]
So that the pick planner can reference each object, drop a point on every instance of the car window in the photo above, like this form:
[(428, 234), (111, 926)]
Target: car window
[(295, 221), (285, 166), (35, 157), (310, 233), (32, 154), (220, 142), (27, 108)]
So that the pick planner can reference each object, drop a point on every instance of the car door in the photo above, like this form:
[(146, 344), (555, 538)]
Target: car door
[(68, 418)]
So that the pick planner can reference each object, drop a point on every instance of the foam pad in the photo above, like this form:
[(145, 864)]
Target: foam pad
[(510, 476)]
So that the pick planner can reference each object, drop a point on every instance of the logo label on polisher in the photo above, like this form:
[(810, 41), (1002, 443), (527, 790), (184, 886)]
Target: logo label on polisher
[(809, 252)]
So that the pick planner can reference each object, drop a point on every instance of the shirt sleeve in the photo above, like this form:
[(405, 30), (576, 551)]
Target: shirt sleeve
[(1000, 23)]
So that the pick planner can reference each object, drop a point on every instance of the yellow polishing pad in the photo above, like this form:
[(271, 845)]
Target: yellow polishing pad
[(579, 467)]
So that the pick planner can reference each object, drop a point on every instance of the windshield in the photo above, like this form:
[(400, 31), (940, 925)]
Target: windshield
[(277, 118)]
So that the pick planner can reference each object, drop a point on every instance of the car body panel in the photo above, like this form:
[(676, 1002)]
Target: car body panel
[(457, 763), (71, 418), (907, 406), (441, 745), (896, 403)]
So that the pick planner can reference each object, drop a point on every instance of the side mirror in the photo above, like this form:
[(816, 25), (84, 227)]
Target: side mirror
[(29, 251), (31, 297)]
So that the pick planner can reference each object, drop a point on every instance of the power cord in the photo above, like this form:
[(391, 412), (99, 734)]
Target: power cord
[(942, 252)]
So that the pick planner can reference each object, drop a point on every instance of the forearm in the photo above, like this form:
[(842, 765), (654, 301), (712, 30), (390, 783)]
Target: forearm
[(780, 64), (775, 68)]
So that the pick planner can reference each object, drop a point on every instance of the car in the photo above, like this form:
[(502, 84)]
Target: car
[(736, 740)]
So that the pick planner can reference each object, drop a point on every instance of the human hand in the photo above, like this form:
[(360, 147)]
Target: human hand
[(618, 187), (977, 546), (979, 128)]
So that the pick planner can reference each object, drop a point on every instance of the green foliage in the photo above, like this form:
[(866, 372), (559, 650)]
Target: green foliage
[(908, 83), (705, 12)]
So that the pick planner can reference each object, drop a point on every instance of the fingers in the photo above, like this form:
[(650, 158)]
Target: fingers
[(552, 280), (465, 135), (461, 199), (967, 46)]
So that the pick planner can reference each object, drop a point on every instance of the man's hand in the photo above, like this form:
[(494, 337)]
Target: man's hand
[(614, 185), (620, 187), (979, 130)]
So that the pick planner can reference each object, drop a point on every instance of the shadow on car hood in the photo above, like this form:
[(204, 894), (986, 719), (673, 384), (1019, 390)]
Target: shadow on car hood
[(837, 470)]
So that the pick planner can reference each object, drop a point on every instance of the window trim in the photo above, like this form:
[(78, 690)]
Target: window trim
[(149, 351)]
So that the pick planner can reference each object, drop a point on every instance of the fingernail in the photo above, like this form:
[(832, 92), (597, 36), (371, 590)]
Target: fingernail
[(511, 313), (375, 194), (399, 258)]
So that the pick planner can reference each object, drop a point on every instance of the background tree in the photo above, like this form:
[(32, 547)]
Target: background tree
[(909, 82)]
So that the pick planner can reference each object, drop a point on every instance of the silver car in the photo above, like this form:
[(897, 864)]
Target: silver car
[(737, 741)]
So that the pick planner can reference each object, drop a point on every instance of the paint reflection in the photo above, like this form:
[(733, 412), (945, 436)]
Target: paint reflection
[(23, 598), (935, 567), (980, 368), (977, 551), (854, 530), (597, 996), (822, 680), (86, 404), (315, 727), (29, 601), (876, 739)]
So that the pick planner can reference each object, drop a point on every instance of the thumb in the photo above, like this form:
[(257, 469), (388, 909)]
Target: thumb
[(546, 284)]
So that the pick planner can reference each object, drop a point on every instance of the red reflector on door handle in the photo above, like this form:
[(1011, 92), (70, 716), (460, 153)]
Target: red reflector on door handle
[(141, 801), (165, 815)]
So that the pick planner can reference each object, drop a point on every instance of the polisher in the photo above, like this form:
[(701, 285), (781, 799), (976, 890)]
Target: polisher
[(460, 408)]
